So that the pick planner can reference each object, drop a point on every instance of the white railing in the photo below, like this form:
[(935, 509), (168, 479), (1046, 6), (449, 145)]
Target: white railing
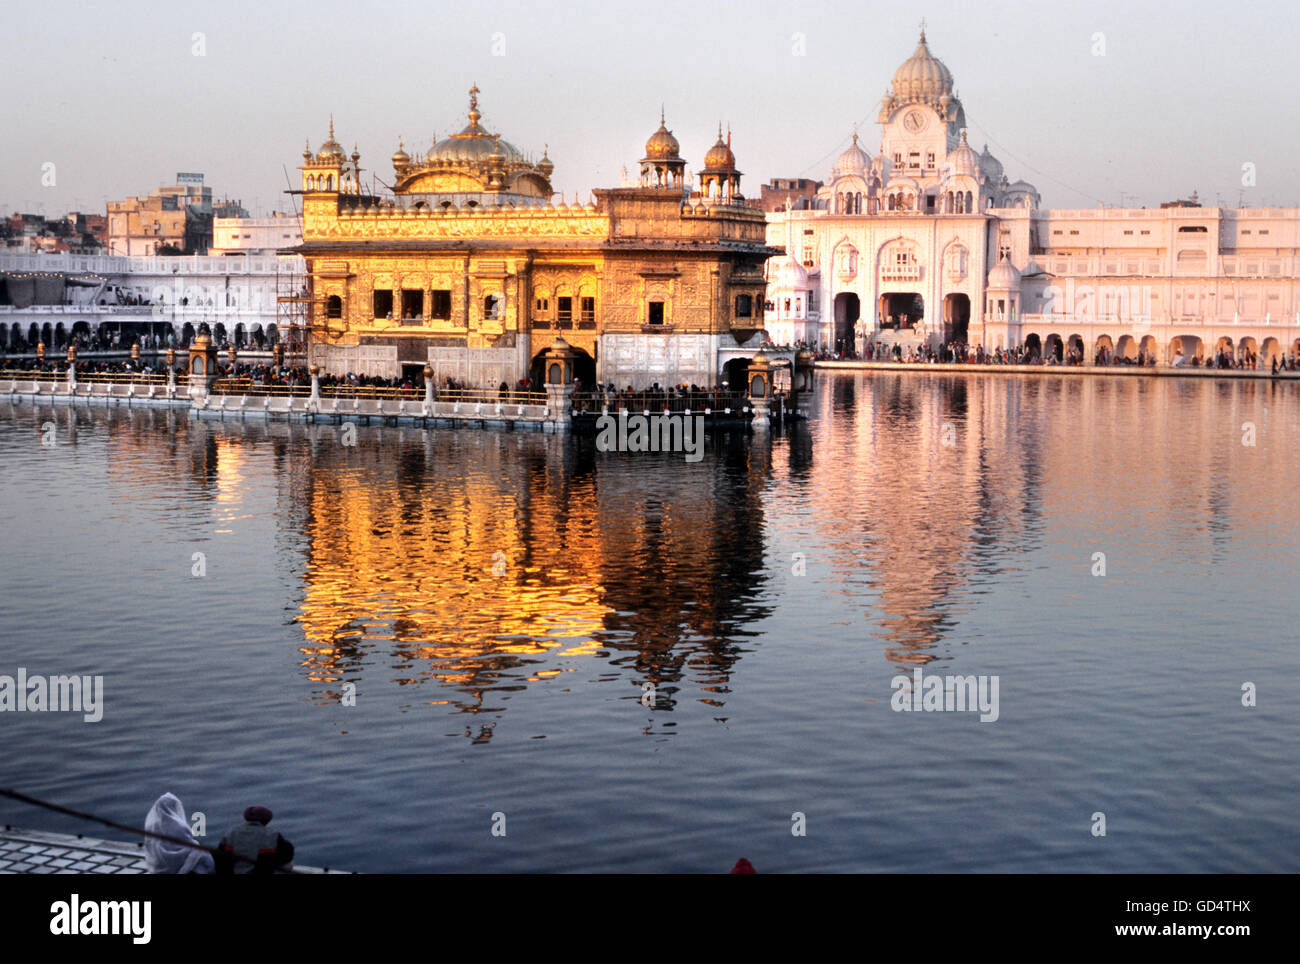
[(903, 273), (1190, 321), (181, 265)]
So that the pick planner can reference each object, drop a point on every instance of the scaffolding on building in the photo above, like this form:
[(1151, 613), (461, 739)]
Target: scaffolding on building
[(293, 312), (294, 309)]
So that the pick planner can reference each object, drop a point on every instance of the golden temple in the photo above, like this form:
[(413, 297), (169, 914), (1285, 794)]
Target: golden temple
[(471, 264)]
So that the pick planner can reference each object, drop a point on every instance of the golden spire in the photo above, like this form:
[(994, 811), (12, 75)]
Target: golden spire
[(474, 114), (331, 127)]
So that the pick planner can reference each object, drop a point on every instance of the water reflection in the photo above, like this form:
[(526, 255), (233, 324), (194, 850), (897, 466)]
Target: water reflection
[(944, 483), (483, 563), (466, 567)]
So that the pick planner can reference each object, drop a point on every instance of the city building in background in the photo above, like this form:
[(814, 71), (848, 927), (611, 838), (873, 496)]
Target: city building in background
[(781, 193), (245, 235), (74, 233), (172, 219)]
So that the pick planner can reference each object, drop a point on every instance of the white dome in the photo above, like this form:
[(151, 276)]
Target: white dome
[(853, 162), (922, 77), (991, 166), (790, 275), (1004, 276), (964, 160)]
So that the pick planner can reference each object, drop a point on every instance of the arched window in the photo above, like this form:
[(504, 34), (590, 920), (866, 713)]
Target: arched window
[(970, 203), (334, 307), (857, 203)]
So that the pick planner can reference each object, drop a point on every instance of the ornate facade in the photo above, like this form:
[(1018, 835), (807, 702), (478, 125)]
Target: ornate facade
[(473, 266), (929, 242)]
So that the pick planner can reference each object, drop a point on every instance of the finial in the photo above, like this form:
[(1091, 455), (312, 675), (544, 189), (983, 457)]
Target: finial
[(661, 115), (923, 30), (474, 114), (331, 127), (963, 137)]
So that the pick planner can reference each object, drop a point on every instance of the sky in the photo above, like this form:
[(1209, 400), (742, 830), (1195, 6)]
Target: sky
[(1095, 103)]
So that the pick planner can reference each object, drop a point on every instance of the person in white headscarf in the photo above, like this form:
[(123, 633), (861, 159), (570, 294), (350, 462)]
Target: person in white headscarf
[(167, 816)]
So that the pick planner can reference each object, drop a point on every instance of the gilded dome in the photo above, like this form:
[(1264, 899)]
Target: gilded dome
[(475, 160), (662, 146), (473, 143), (853, 162), (719, 157), (331, 150), (922, 76)]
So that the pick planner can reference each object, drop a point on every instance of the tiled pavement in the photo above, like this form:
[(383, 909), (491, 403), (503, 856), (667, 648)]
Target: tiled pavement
[(37, 852)]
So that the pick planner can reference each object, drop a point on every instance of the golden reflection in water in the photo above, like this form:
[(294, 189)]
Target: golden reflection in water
[(458, 583), (485, 563)]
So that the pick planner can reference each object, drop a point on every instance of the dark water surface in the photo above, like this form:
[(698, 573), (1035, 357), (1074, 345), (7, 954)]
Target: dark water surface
[(498, 602)]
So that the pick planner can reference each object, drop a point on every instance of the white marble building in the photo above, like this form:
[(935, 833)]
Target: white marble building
[(264, 236), (160, 300), (930, 242)]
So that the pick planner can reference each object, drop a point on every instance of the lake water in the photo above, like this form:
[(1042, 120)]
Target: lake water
[(494, 604)]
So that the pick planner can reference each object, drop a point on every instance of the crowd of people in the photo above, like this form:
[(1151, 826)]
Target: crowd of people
[(411, 385), (962, 354)]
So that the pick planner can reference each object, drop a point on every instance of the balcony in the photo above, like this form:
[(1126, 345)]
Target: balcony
[(901, 272)]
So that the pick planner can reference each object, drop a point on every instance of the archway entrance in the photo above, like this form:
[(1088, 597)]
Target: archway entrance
[(1126, 349), (1148, 350), (1054, 348), (848, 309), (1103, 352), (904, 310), (736, 374), (956, 318), (584, 371), (1189, 347), (1076, 350)]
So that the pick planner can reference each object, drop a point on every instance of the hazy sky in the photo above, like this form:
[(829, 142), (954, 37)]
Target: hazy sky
[(114, 95)]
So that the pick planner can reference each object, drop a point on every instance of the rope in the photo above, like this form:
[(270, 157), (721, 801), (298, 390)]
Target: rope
[(58, 808)]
